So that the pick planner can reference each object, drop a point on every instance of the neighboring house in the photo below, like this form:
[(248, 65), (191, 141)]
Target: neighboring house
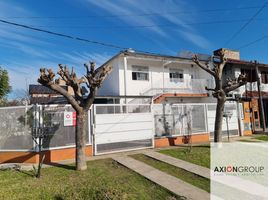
[(40, 94), (254, 95)]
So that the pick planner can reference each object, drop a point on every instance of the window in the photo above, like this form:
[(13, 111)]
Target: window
[(140, 73), (250, 74), (175, 75), (264, 77)]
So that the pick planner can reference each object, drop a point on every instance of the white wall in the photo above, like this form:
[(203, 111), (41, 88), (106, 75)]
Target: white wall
[(158, 74), (111, 86), (135, 87)]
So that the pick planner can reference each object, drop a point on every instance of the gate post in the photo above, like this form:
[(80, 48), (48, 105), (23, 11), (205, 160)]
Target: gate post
[(153, 124), (93, 125)]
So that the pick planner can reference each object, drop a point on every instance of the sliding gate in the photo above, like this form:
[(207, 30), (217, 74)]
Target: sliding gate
[(122, 128)]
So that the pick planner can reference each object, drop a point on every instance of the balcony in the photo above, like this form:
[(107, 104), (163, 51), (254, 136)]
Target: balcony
[(253, 86), (185, 86)]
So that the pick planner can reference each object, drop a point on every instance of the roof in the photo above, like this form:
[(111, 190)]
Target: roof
[(144, 54), (40, 89), (178, 58), (245, 62)]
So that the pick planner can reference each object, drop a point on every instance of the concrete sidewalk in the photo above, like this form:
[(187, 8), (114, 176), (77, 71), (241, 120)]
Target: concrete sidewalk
[(196, 169), (167, 181)]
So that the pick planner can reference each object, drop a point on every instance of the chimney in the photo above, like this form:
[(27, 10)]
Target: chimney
[(232, 54)]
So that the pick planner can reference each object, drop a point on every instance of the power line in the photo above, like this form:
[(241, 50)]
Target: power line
[(253, 42), (63, 35), (149, 26), (73, 37), (129, 15), (247, 23)]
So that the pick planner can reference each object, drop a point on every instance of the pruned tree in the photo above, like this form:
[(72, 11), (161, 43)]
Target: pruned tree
[(222, 87), (81, 103)]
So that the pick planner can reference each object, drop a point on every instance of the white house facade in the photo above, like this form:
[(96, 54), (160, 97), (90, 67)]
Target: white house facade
[(173, 79)]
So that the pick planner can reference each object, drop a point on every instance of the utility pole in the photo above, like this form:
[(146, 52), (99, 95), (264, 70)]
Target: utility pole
[(260, 96)]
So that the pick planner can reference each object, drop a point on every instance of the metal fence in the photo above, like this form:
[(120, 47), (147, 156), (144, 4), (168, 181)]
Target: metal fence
[(179, 119), (56, 134), (15, 128), (232, 120), (21, 127), (185, 119)]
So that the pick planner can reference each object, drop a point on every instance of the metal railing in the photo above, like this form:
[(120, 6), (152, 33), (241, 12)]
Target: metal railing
[(191, 86)]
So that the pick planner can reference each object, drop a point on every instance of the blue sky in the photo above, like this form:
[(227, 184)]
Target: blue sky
[(160, 26)]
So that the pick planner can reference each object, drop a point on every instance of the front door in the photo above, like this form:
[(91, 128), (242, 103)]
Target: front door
[(256, 115), (247, 119)]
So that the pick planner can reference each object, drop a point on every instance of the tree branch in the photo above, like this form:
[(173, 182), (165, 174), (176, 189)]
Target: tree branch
[(202, 66), (210, 89), (233, 84), (47, 79), (233, 87)]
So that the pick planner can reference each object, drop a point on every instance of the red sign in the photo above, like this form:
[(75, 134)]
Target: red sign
[(69, 118)]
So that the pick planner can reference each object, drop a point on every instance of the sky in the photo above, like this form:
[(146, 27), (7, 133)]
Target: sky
[(159, 26)]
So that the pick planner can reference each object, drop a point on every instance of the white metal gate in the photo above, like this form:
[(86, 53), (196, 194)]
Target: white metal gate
[(232, 122), (119, 127)]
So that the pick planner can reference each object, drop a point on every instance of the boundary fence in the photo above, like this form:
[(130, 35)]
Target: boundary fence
[(111, 127)]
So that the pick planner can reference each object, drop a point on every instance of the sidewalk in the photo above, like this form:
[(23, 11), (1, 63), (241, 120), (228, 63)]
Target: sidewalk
[(167, 181), (196, 169)]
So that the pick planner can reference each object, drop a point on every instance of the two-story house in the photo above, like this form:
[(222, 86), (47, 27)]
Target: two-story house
[(165, 78)]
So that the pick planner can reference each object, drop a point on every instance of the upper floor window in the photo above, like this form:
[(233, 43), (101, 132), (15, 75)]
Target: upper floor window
[(264, 77), (175, 75), (250, 74), (140, 73)]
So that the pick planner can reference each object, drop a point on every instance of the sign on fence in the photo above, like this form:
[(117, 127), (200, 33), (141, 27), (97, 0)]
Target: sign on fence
[(69, 118)]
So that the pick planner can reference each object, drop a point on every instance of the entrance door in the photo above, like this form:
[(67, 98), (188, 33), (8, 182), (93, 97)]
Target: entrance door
[(256, 115), (247, 119)]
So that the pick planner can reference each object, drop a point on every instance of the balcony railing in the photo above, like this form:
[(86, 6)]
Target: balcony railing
[(253, 86), (187, 86)]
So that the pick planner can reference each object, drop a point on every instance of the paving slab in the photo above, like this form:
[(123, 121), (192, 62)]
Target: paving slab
[(167, 181), (196, 169)]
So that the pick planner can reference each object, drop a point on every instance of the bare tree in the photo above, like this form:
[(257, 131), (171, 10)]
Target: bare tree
[(81, 103), (222, 87)]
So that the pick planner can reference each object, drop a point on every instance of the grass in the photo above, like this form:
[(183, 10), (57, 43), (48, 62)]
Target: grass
[(199, 155), (182, 174), (262, 137), (104, 179), (245, 140)]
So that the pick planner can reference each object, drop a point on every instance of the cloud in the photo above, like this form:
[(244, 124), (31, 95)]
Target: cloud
[(128, 8), (197, 39), (128, 11), (22, 72), (24, 52)]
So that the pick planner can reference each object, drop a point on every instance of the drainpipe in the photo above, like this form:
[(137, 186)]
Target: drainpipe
[(125, 78), (260, 96), (163, 76)]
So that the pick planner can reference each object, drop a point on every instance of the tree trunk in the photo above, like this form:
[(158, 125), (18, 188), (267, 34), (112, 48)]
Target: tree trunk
[(80, 140), (218, 120)]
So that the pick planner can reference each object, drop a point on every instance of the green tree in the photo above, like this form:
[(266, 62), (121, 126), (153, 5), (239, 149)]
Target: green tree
[(5, 88)]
